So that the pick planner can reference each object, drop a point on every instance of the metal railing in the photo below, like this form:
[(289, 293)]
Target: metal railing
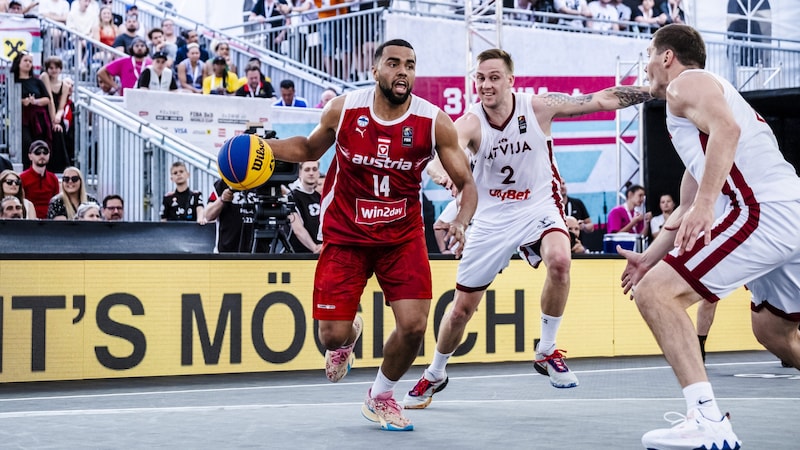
[(82, 56), (753, 62), (340, 48), (309, 83), (633, 71), (120, 153), (748, 61), (10, 114)]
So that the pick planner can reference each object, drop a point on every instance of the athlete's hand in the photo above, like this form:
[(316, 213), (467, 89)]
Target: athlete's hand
[(445, 181), (455, 237), (697, 220), (634, 270)]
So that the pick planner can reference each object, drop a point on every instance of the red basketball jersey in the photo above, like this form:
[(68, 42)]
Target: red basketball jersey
[(371, 194)]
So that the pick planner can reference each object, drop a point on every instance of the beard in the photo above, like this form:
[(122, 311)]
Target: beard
[(391, 96), (140, 54)]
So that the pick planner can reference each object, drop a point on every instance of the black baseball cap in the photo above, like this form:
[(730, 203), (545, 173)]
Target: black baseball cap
[(160, 55)]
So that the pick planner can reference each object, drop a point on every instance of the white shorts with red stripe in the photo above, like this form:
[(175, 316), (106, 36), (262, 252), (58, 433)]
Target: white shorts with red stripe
[(757, 246), (493, 241)]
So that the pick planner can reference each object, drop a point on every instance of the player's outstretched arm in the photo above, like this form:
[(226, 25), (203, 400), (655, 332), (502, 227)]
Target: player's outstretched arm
[(639, 263), (456, 164), (312, 147), (617, 97)]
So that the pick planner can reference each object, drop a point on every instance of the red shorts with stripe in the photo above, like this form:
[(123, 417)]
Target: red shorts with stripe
[(750, 245), (403, 272)]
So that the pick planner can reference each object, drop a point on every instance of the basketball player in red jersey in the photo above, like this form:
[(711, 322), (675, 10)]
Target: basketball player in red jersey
[(371, 219)]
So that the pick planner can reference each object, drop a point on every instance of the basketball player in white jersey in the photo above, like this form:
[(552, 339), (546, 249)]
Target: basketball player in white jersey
[(737, 194), (371, 218), (508, 139)]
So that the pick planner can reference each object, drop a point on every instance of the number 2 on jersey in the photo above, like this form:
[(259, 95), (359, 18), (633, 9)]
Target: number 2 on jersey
[(510, 177), (381, 185)]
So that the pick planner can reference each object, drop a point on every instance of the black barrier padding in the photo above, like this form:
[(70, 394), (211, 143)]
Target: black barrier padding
[(44, 237)]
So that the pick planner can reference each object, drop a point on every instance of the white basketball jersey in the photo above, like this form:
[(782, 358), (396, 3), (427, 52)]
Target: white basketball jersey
[(759, 173), (514, 168)]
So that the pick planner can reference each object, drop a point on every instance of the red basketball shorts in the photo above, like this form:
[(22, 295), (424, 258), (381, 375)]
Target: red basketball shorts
[(403, 272)]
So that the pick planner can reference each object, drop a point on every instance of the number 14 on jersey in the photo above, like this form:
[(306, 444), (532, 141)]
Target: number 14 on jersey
[(381, 185)]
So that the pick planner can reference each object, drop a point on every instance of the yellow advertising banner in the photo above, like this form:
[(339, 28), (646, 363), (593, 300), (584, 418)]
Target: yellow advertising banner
[(64, 320)]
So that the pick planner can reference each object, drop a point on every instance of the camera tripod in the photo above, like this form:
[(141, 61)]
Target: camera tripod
[(270, 224), (271, 238)]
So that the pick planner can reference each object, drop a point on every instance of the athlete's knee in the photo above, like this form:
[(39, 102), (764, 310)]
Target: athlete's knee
[(461, 313), (413, 328), (331, 336), (558, 268), (413, 335), (331, 341), (646, 295)]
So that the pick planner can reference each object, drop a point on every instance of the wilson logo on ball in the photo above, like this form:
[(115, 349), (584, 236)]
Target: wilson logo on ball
[(245, 162)]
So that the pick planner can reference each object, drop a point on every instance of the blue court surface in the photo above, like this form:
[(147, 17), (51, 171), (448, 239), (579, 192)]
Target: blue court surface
[(485, 406)]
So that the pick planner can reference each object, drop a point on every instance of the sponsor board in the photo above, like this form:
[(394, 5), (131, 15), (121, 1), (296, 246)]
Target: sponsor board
[(62, 320), (207, 121)]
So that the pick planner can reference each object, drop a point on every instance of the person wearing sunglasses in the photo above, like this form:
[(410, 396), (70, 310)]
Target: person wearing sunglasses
[(40, 184), (11, 186), (64, 205)]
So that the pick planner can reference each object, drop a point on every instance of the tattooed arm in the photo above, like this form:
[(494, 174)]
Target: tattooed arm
[(563, 105)]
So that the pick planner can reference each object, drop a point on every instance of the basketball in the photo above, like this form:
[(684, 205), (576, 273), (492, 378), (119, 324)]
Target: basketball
[(245, 162)]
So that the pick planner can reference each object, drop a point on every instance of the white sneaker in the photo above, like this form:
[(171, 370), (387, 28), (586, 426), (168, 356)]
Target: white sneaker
[(420, 396), (553, 366), (693, 431)]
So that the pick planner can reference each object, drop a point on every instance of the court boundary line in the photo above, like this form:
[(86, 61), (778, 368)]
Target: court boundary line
[(354, 383), (247, 407)]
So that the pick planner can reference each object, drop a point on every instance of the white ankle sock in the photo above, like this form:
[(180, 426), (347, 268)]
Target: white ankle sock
[(550, 326), (381, 384), (701, 396), (436, 369)]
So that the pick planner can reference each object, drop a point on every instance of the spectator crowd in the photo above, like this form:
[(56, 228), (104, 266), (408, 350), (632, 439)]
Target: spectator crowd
[(166, 58)]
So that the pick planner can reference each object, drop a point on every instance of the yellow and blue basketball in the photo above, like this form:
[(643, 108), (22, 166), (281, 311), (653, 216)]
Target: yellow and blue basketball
[(245, 162)]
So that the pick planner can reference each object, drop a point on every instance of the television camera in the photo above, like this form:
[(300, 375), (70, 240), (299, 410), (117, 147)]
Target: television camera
[(271, 227)]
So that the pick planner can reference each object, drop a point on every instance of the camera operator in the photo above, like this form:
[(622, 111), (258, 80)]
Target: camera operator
[(305, 221), (258, 220), (234, 212), (574, 231)]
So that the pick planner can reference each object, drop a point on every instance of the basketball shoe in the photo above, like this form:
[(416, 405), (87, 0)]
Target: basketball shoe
[(385, 410), (693, 431), (553, 366), (421, 394), (339, 361)]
